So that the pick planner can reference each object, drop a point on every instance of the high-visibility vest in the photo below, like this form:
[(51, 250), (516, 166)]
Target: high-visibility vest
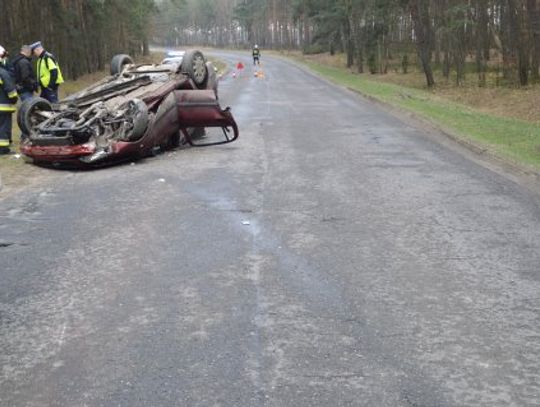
[(46, 63)]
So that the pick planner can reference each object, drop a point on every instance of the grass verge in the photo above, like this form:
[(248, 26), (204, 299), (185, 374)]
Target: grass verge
[(512, 139)]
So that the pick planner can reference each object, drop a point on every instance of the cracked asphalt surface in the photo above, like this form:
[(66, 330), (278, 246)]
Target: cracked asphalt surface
[(332, 256)]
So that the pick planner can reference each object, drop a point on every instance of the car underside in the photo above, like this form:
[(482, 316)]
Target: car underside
[(138, 110)]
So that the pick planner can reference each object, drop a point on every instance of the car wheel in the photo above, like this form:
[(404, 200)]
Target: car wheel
[(138, 114), (118, 62), (26, 115), (194, 65)]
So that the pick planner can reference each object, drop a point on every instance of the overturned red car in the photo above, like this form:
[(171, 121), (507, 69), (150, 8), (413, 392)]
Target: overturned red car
[(137, 111)]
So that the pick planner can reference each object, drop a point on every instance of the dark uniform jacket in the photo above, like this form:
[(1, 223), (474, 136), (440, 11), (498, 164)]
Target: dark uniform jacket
[(25, 78), (8, 92)]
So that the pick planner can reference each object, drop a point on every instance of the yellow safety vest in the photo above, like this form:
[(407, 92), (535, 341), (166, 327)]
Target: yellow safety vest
[(46, 64)]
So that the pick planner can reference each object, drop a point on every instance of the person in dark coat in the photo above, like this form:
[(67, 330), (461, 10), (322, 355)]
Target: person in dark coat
[(8, 100), (25, 77)]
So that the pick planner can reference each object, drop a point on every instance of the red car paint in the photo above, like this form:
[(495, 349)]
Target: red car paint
[(174, 109)]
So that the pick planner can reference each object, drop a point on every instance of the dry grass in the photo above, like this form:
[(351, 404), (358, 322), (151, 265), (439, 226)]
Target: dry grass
[(503, 121), (502, 101), (517, 103)]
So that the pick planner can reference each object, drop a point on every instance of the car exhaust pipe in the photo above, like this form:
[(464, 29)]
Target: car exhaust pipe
[(98, 156)]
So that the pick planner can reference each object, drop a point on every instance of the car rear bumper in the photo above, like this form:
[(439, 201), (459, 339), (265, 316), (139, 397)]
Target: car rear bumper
[(57, 153)]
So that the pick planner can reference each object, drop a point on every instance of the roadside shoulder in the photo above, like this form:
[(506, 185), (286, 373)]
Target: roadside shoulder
[(479, 152)]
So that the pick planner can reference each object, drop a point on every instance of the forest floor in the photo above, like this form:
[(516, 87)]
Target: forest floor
[(503, 121)]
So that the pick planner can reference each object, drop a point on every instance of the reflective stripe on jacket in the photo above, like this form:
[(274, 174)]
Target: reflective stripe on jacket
[(8, 92), (46, 64)]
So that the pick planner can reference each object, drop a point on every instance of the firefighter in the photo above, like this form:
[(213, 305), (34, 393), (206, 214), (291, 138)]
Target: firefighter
[(256, 55), (48, 72), (25, 77), (8, 99)]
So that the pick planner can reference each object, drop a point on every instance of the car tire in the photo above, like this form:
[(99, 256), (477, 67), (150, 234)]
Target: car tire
[(194, 65), (139, 112), (118, 62), (27, 109)]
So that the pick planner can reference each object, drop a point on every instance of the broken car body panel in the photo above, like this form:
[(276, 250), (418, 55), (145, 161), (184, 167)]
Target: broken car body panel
[(128, 115)]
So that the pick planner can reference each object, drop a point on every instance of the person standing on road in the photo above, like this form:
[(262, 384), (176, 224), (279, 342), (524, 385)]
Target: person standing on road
[(48, 73), (25, 77), (256, 55), (8, 99)]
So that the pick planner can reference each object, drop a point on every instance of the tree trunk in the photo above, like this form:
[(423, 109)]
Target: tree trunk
[(482, 37), (533, 8), (422, 28)]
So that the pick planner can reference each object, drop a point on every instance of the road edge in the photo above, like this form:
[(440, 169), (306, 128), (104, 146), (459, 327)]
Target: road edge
[(480, 154)]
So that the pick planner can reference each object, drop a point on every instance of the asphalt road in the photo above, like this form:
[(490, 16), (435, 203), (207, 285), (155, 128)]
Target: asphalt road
[(333, 256)]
